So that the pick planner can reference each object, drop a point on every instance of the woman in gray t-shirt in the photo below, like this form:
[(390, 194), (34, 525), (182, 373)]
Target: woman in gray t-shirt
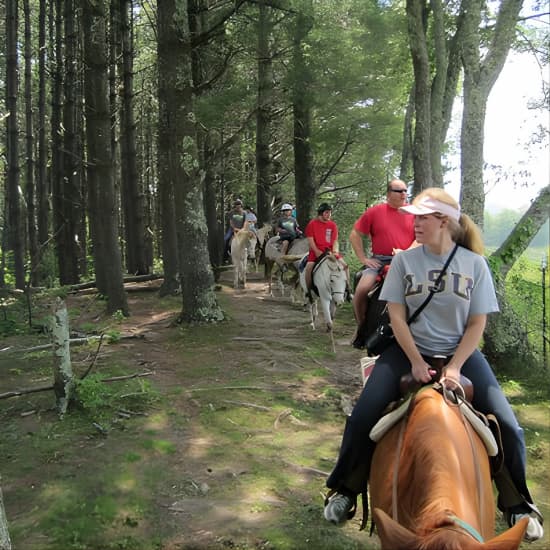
[(451, 325)]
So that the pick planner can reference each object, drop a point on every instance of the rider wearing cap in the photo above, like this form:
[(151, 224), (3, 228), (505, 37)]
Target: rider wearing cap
[(287, 228), (236, 219), (322, 235)]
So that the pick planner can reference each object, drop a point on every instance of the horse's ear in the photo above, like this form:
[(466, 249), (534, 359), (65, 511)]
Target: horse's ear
[(393, 535), (510, 539)]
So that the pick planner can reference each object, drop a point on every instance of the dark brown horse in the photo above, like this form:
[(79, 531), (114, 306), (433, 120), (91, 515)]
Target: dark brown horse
[(431, 474)]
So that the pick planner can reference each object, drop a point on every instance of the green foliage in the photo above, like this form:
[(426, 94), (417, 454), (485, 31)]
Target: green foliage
[(498, 226), (101, 399), (118, 316), (524, 295), (94, 395)]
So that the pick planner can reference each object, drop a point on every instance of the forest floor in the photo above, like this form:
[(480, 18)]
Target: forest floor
[(224, 443)]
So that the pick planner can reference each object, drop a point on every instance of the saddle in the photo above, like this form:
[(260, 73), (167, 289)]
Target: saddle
[(318, 261), (486, 426)]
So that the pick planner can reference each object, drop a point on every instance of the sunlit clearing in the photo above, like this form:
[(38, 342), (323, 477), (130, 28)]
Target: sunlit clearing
[(55, 491), (125, 483), (157, 422)]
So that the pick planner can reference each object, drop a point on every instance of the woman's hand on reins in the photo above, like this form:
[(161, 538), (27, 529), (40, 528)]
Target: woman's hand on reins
[(422, 372)]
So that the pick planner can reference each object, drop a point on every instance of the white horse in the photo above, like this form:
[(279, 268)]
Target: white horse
[(239, 256), (273, 257), (330, 278)]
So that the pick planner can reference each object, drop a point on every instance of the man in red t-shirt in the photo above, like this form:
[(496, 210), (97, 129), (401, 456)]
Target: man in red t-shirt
[(389, 231), (322, 235)]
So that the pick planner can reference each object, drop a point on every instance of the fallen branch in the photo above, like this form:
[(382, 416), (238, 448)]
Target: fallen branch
[(93, 359), (73, 341), (131, 279), (25, 391), (127, 376), (244, 404), (306, 469)]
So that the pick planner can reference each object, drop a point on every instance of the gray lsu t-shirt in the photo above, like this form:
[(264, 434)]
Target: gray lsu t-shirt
[(467, 289)]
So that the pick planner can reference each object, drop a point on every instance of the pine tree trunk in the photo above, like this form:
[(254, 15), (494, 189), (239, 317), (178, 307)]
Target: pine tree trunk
[(69, 201), (132, 198), (103, 206), (264, 168), (15, 224), (305, 189), (29, 150), (166, 55), (42, 183), (197, 280)]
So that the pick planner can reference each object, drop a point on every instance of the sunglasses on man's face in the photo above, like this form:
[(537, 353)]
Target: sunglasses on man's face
[(398, 190)]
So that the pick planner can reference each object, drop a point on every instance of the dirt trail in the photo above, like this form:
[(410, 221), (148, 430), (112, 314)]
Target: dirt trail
[(234, 454)]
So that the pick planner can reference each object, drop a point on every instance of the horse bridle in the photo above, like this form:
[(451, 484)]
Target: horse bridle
[(340, 268)]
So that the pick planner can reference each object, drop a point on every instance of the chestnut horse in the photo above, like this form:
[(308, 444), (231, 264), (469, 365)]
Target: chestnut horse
[(431, 474)]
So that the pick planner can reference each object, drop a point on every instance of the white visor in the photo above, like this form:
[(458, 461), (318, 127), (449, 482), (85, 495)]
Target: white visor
[(432, 206)]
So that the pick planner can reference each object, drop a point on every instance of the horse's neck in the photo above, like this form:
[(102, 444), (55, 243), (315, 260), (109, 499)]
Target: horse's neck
[(431, 456)]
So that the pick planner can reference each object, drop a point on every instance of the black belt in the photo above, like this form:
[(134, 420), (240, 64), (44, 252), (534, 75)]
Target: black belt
[(437, 362)]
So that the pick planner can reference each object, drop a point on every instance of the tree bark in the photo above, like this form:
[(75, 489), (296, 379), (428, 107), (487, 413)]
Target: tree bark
[(42, 182), (64, 383), (437, 95), (56, 71), (103, 208), (132, 197), (29, 151), (264, 168), (197, 280), (5, 542), (416, 10), (68, 200), (15, 224), (304, 186), (167, 46)]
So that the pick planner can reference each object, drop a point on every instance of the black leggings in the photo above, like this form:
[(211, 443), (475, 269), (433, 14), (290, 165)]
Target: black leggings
[(353, 466)]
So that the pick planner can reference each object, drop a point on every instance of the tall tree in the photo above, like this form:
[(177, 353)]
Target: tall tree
[(416, 17), (42, 182), (14, 220), (264, 167), (302, 94), (167, 46), (103, 207), (197, 281), (132, 197), (29, 150), (56, 128), (480, 74), (67, 200)]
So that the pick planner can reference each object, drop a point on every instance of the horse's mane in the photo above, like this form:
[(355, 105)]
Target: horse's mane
[(436, 460)]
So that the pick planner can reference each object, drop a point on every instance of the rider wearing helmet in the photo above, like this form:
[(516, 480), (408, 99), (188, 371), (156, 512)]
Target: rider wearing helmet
[(322, 235), (287, 228)]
